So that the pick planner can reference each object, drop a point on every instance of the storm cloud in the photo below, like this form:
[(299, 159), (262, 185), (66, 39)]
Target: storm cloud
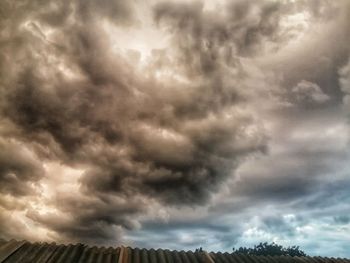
[(102, 136), (73, 103)]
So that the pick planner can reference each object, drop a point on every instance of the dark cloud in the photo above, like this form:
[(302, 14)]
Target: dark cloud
[(76, 104), (57, 14), (117, 11), (19, 169), (240, 30), (342, 219), (344, 80)]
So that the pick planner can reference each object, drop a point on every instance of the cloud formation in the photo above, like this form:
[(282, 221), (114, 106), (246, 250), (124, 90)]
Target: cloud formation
[(307, 92), (136, 138), (98, 140)]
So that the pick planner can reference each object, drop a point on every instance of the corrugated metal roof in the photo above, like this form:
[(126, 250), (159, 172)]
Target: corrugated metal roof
[(22, 251)]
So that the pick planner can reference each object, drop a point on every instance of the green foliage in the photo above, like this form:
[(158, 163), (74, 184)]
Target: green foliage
[(273, 249)]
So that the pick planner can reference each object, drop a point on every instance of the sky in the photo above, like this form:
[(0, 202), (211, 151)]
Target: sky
[(176, 124)]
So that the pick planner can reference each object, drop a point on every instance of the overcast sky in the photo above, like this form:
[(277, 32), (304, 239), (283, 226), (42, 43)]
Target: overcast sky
[(176, 124)]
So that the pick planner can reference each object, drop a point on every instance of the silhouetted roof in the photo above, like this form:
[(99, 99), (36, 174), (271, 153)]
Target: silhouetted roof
[(23, 251)]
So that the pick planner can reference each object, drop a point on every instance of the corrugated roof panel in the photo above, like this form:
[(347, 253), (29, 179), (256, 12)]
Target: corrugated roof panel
[(168, 256), (87, 255), (136, 255), (100, 254), (56, 254), (184, 257), (192, 257), (314, 260), (334, 259), (230, 258), (46, 253), (84, 255), (127, 256), (296, 260), (93, 255), (226, 258), (2, 241), (8, 248), (152, 256), (32, 253), (41, 252), (63, 255), (13, 252), (176, 256), (281, 259), (240, 258), (342, 260), (303, 260), (108, 255), (262, 259), (271, 259), (17, 255), (256, 259), (144, 256), (322, 260), (201, 257), (160, 256), (235, 258), (115, 255), (276, 259), (75, 253), (219, 257), (36, 253)]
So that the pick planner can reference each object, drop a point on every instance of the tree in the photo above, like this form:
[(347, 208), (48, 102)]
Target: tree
[(273, 249)]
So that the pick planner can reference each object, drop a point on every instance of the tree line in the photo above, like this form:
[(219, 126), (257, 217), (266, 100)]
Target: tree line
[(268, 249)]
